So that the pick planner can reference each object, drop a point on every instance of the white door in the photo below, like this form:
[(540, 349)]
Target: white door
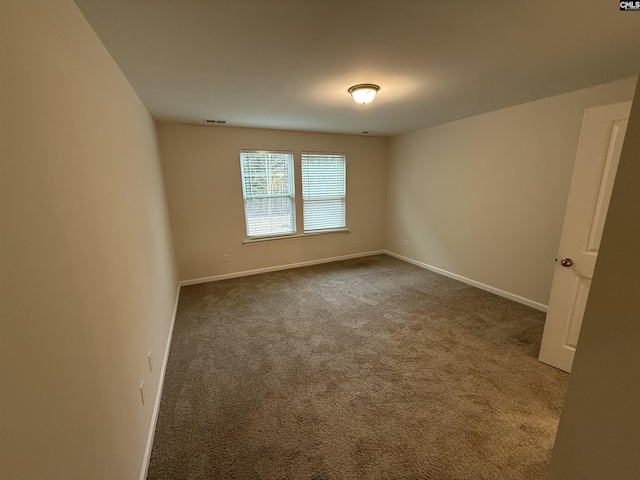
[(601, 138)]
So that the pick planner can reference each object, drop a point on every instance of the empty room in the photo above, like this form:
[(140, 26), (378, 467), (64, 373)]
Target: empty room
[(279, 239)]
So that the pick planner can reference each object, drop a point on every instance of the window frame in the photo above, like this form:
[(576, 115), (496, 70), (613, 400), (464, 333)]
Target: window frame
[(291, 196), (342, 228)]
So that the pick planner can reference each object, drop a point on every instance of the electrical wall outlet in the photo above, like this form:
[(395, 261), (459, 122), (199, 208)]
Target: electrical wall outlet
[(355, 240), (150, 361), (227, 257), (406, 243)]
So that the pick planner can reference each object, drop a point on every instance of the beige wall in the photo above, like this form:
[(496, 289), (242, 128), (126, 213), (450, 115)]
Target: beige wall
[(87, 278), (599, 432), (484, 197), (202, 174)]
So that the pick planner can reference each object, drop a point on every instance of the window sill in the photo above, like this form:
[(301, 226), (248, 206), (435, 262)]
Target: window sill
[(290, 237)]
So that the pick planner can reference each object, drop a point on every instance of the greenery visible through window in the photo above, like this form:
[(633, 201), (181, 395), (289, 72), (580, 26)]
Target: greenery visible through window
[(268, 190), (323, 191)]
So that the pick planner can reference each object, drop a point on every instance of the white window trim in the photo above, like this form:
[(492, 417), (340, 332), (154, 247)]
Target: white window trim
[(297, 168), (310, 153), (293, 196), (251, 240)]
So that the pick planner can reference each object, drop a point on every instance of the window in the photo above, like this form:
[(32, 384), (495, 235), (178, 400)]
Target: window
[(268, 190), (323, 191)]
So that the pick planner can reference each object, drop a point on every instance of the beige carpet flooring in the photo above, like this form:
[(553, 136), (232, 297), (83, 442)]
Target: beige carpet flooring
[(369, 368)]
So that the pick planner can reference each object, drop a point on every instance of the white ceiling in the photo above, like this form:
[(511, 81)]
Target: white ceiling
[(287, 64)]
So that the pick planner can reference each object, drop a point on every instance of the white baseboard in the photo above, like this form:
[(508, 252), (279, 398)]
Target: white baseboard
[(245, 273), (482, 286), (511, 296), (156, 406)]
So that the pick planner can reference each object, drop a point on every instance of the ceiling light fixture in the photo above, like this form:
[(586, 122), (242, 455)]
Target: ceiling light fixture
[(364, 92)]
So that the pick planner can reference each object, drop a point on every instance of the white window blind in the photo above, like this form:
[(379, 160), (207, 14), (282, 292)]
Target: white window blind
[(323, 191), (268, 190)]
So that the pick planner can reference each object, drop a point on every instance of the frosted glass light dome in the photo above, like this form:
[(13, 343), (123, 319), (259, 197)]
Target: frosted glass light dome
[(364, 92)]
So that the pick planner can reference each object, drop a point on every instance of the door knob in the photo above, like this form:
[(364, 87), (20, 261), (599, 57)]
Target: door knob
[(566, 262)]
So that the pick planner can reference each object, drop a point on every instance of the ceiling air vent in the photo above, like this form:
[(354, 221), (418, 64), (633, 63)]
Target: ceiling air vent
[(219, 122)]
